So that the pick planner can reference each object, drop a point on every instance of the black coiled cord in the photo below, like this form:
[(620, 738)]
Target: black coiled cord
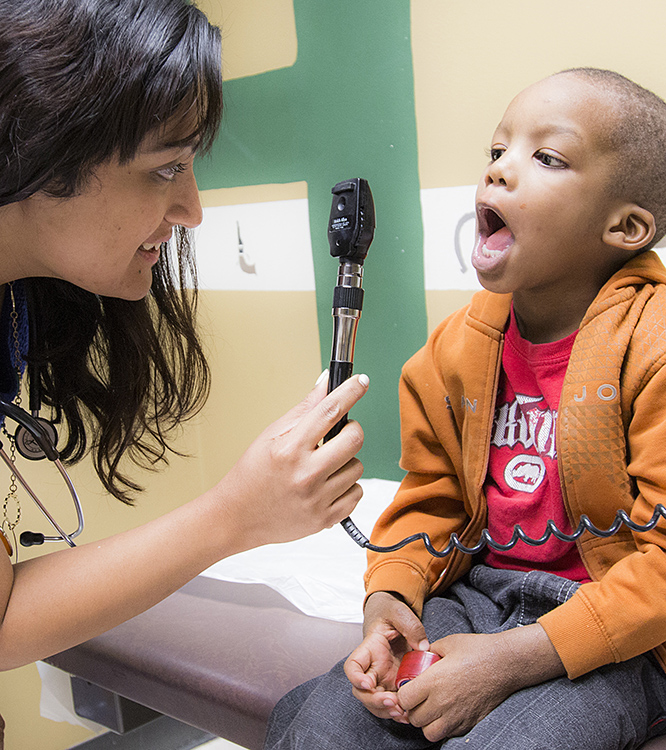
[(486, 540)]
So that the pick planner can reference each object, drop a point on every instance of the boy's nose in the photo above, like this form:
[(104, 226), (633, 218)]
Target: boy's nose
[(498, 172)]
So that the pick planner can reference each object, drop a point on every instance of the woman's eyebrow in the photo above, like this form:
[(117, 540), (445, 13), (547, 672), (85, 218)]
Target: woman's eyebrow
[(191, 143)]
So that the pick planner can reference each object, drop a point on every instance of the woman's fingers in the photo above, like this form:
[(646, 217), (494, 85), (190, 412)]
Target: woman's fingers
[(286, 484), (344, 504), (320, 415)]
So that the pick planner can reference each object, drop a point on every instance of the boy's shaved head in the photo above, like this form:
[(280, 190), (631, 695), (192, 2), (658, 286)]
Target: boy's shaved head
[(638, 136)]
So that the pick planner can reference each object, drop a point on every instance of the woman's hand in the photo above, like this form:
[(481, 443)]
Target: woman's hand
[(286, 485), (391, 629), (282, 488)]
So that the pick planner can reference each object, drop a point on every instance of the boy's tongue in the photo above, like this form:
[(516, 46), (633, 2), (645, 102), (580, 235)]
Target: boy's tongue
[(499, 240)]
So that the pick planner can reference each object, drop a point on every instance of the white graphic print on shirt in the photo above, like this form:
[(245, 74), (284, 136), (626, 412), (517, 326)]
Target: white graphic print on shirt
[(523, 422)]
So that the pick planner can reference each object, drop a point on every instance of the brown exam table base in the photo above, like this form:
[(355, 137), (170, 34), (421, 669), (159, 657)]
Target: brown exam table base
[(215, 655)]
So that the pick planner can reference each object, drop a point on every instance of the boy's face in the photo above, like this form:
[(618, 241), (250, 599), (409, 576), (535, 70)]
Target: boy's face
[(543, 202)]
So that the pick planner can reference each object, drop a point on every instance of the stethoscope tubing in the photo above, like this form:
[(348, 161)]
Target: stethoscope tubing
[(62, 535)]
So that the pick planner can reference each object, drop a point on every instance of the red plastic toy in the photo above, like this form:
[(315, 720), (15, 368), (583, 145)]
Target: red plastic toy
[(413, 664)]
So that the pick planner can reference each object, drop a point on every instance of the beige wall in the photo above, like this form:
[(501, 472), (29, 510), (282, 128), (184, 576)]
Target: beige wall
[(470, 58)]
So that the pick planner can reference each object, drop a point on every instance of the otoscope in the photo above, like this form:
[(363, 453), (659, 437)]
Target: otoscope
[(351, 229)]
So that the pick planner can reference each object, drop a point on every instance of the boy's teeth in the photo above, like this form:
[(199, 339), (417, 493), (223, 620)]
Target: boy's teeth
[(150, 246), (497, 242), (490, 253)]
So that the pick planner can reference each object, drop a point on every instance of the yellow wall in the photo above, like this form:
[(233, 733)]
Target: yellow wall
[(469, 58)]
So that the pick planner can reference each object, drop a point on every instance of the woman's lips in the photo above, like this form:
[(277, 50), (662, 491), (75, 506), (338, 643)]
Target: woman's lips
[(151, 251)]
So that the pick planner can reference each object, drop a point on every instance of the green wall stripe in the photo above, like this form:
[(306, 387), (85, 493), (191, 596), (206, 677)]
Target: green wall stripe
[(345, 109)]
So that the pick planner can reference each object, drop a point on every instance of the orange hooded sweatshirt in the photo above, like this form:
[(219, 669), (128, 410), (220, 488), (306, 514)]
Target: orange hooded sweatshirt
[(611, 448)]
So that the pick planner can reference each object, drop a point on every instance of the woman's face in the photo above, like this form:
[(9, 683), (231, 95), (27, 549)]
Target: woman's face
[(107, 238)]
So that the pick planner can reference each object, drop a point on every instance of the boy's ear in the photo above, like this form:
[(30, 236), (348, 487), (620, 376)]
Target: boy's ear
[(630, 228)]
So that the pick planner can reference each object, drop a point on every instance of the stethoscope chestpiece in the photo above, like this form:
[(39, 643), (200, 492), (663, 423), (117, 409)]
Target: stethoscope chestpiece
[(28, 445), (35, 438)]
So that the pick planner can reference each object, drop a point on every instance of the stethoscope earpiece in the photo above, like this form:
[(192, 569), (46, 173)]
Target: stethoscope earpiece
[(31, 538)]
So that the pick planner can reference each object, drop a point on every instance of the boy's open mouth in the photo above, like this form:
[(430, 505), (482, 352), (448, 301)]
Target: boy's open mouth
[(494, 235), (494, 242)]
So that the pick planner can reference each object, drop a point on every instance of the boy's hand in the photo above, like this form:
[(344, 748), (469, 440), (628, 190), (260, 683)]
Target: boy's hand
[(391, 629), (477, 672)]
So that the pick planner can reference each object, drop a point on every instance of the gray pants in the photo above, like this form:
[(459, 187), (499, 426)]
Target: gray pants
[(617, 706)]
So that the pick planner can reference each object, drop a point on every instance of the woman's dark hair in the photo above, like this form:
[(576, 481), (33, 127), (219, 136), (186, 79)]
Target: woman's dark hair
[(83, 82)]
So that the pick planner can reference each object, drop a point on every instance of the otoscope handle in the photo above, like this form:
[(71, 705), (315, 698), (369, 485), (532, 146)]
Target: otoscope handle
[(338, 373)]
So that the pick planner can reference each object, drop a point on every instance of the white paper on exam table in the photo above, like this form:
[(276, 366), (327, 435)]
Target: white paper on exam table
[(322, 574)]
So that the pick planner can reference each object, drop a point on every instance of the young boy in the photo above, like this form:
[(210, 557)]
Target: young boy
[(543, 399)]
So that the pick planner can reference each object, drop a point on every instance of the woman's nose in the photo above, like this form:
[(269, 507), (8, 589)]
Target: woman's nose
[(185, 207)]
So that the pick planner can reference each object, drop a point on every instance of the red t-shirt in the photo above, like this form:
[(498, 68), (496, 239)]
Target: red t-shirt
[(523, 484)]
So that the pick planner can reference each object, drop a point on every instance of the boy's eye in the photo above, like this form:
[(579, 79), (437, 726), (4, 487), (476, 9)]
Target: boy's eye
[(495, 153), (169, 173), (548, 160)]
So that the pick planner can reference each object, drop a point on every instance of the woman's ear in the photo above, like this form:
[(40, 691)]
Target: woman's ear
[(630, 228)]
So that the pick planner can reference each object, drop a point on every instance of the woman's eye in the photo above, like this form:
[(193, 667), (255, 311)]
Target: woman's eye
[(548, 160), (169, 173)]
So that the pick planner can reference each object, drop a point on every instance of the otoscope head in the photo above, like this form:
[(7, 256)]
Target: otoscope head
[(351, 226)]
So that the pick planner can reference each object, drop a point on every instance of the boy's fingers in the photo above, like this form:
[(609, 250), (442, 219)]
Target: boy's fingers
[(356, 668), (380, 702), (382, 705), (409, 625), (362, 681), (411, 695)]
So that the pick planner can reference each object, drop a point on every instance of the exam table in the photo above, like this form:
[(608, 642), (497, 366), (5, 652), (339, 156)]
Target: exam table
[(216, 655), (220, 652)]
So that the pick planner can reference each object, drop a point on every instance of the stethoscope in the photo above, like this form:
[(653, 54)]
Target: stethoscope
[(36, 438)]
